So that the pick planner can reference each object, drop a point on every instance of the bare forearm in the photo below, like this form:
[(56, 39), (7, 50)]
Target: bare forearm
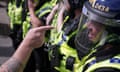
[(18, 61), (12, 65), (33, 39), (23, 52)]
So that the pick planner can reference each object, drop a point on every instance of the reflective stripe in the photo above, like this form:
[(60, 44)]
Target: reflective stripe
[(115, 60), (93, 65), (64, 38), (14, 14), (26, 26)]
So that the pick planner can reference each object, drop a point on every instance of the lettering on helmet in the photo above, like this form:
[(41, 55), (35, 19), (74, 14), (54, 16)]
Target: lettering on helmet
[(98, 6)]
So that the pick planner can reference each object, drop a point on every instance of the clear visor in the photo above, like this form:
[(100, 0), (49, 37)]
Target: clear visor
[(82, 42), (93, 30)]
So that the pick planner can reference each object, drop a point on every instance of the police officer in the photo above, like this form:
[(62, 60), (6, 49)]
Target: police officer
[(63, 55), (38, 18), (15, 14), (101, 18)]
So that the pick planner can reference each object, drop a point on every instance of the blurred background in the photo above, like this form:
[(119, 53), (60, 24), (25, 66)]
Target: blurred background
[(6, 48)]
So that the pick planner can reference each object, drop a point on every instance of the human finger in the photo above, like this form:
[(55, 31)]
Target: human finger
[(44, 28)]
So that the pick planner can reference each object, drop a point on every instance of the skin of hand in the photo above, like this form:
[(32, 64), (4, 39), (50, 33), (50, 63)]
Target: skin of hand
[(67, 5), (35, 21), (33, 18), (51, 15), (31, 5), (33, 39), (60, 18)]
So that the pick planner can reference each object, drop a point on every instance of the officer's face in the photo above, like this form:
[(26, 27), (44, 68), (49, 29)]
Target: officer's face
[(95, 30)]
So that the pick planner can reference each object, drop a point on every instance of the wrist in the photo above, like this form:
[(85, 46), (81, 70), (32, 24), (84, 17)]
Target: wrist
[(31, 11), (25, 44)]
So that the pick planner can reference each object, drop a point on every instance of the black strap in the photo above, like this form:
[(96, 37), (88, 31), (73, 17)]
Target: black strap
[(70, 63), (71, 26), (55, 57)]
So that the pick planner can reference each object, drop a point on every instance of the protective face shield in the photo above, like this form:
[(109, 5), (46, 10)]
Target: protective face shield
[(94, 20), (82, 42)]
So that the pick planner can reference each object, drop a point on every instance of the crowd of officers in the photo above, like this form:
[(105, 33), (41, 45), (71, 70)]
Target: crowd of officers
[(85, 38)]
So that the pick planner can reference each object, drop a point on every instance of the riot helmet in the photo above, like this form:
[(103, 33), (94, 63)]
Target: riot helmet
[(102, 17), (103, 11)]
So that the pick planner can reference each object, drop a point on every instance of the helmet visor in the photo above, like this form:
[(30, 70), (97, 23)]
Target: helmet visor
[(82, 42), (89, 34)]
